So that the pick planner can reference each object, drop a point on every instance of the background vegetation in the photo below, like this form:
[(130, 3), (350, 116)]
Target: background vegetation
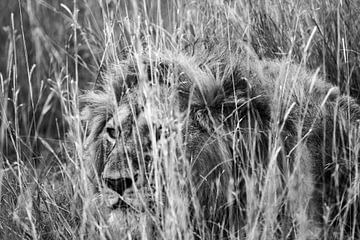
[(52, 50)]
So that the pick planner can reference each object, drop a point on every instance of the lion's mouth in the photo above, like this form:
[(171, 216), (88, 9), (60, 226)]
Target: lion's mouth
[(120, 205), (127, 205), (124, 223)]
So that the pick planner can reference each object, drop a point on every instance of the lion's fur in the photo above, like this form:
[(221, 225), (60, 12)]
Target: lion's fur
[(239, 114)]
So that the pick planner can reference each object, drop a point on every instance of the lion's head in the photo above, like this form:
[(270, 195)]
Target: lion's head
[(179, 134), (154, 113)]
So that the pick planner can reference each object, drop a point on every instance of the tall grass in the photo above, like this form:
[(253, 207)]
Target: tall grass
[(51, 52)]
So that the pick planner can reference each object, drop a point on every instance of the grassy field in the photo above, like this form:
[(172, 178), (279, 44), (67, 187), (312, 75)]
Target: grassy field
[(52, 52)]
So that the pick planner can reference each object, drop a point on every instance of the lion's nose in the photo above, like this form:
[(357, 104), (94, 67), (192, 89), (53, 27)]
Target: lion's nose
[(119, 185)]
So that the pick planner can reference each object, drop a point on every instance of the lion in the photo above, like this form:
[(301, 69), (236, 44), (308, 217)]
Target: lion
[(252, 147)]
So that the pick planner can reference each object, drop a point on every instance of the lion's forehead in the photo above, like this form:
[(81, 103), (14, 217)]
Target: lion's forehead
[(128, 116)]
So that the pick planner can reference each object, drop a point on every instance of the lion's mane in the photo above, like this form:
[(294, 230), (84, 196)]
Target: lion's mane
[(242, 116)]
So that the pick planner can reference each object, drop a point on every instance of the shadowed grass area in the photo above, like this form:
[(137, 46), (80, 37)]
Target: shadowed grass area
[(51, 52)]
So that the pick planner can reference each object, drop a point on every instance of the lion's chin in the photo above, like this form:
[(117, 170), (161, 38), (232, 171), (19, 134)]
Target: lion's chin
[(128, 224)]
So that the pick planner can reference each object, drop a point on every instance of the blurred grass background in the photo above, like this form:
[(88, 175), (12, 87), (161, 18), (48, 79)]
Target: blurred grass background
[(49, 50)]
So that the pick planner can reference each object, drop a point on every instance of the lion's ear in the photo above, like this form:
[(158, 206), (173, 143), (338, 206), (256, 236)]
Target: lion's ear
[(245, 100), (237, 93), (158, 73), (236, 83)]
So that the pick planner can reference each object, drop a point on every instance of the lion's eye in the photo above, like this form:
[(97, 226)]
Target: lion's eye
[(111, 132), (158, 133)]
